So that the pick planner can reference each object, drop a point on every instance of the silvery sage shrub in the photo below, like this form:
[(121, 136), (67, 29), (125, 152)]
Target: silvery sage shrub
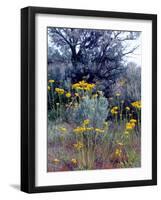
[(93, 108)]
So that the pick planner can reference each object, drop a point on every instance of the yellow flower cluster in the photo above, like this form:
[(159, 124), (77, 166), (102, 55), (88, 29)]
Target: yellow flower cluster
[(89, 129), (56, 161), (120, 144), (78, 145), (114, 110), (127, 108), (130, 125), (68, 95), (117, 94), (98, 130), (82, 85), (86, 122), (133, 120), (74, 161), (51, 81), (62, 129), (136, 104), (84, 129), (59, 90), (76, 94), (79, 129), (49, 87), (118, 152)]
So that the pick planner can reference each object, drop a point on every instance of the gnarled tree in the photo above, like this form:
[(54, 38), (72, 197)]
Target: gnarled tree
[(95, 55)]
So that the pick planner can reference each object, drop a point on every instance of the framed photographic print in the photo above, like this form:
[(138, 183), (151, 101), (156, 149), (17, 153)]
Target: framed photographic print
[(88, 99)]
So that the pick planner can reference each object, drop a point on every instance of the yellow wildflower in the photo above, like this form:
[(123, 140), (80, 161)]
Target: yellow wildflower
[(89, 129), (127, 108), (133, 120), (56, 161), (132, 124), (82, 85), (76, 94), (98, 130), (86, 122), (118, 152), (68, 95), (79, 129), (114, 110), (62, 129), (90, 87), (74, 161), (59, 90), (78, 145), (51, 81), (117, 94), (129, 126), (120, 144), (49, 87), (136, 104)]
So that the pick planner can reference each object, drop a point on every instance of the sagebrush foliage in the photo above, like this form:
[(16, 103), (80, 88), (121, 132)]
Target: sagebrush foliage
[(94, 109)]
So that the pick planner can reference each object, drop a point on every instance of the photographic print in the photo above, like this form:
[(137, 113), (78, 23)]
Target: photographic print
[(93, 99), (88, 99)]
